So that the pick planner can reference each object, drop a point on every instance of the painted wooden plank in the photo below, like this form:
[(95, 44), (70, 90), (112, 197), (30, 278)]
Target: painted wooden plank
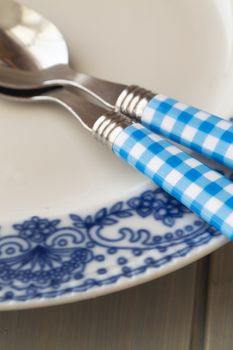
[(219, 317), (200, 301), (156, 315)]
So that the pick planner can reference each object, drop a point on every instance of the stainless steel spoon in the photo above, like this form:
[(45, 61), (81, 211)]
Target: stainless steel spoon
[(38, 53)]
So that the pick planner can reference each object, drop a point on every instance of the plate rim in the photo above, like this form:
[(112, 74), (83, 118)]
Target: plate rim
[(123, 282)]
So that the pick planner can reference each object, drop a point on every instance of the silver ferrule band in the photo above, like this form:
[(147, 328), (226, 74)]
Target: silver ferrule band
[(109, 126), (133, 100)]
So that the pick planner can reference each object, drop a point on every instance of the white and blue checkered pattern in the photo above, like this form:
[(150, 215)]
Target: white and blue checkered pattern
[(191, 127), (203, 190)]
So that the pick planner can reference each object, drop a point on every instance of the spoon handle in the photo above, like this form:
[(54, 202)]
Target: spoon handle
[(201, 189), (200, 131)]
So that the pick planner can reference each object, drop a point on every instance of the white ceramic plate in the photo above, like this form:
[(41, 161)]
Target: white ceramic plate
[(124, 230)]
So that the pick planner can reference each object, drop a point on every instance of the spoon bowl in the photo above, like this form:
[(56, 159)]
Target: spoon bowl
[(28, 41)]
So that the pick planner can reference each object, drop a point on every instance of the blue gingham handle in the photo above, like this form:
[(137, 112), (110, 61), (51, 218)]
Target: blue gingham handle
[(203, 190), (205, 133)]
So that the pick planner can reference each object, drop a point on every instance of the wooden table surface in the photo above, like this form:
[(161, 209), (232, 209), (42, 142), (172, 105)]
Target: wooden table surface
[(190, 309)]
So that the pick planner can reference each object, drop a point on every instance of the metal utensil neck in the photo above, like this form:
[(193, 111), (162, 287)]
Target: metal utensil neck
[(109, 126), (133, 100)]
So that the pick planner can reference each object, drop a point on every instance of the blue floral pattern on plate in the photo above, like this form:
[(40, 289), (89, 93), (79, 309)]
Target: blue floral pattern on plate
[(46, 258)]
